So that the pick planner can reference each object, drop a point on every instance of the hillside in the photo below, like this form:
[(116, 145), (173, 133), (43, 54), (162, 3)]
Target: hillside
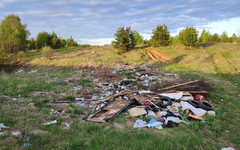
[(216, 58), (41, 90)]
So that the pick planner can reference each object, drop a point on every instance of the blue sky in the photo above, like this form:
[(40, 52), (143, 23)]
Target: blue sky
[(96, 21)]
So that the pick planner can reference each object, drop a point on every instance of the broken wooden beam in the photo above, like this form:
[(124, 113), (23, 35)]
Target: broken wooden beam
[(174, 86)]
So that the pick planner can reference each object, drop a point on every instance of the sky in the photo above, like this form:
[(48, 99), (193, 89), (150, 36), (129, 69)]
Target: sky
[(95, 21)]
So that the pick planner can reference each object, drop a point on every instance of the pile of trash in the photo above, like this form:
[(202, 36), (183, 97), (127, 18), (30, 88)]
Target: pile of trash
[(164, 108)]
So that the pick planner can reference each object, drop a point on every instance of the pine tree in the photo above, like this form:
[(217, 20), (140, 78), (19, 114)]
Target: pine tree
[(161, 36), (124, 39), (189, 37)]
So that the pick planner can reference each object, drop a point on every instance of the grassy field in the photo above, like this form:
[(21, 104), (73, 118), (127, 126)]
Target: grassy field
[(46, 80)]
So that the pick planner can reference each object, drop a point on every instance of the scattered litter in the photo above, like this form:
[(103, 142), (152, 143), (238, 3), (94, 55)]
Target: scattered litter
[(161, 109), (139, 124), (153, 123), (2, 126), (2, 133), (175, 96), (198, 111), (68, 125), (199, 97), (151, 115), (17, 133), (14, 99), (211, 113), (228, 148), (26, 144), (52, 122), (195, 117)]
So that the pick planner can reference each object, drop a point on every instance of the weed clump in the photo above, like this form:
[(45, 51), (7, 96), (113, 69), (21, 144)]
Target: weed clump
[(47, 52)]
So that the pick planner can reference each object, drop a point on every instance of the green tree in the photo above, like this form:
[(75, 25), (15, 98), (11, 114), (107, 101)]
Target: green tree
[(175, 39), (124, 39), (55, 41), (31, 44), (63, 42), (43, 39), (189, 36), (161, 36), (138, 38), (234, 38), (215, 38), (13, 37), (224, 37), (205, 36), (70, 42)]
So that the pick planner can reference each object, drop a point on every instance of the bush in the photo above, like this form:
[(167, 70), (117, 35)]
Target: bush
[(21, 56), (161, 36), (124, 39), (47, 52), (4, 57), (189, 36)]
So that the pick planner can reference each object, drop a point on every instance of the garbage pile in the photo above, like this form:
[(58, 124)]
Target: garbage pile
[(164, 108)]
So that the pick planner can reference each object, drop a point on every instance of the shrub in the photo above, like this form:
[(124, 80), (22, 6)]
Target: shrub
[(21, 56), (4, 57), (47, 52)]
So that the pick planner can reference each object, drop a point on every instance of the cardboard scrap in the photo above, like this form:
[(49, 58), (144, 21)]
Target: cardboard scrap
[(137, 111)]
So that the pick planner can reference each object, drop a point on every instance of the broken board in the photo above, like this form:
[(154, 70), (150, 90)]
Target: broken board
[(110, 111)]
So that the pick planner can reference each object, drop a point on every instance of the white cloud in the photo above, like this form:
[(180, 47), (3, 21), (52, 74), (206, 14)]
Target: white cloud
[(99, 41), (93, 20)]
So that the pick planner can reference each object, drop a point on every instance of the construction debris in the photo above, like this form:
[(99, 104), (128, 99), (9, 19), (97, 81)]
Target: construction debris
[(163, 108)]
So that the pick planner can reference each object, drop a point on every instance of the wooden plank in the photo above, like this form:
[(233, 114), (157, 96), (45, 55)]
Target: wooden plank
[(170, 87), (116, 95), (96, 120), (198, 92), (112, 109)]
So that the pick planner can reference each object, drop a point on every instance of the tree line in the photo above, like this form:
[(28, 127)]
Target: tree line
[(125, 39), (14, 39)]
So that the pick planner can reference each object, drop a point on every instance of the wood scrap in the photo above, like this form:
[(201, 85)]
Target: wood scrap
[(170, 87), (137, 111), (110, 111), (152, 103), (198, 92), (116, 95), (129, 116)]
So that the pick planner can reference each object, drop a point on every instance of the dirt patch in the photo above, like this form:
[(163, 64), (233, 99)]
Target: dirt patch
[(158, 54), (40, 132)]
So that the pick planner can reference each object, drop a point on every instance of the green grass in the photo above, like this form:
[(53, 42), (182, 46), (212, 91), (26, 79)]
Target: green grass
[(217, 64)]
